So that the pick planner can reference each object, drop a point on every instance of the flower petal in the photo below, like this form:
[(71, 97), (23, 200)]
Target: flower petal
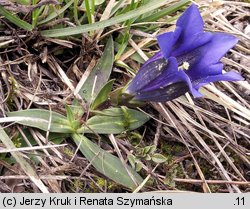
[(146, 74), (169, 76), (230, 76), (158, 55), (184, 48), (190, 22), (166, 41), (197, 72), (188, 35), (210, 54), (163, 95), (214, 50)]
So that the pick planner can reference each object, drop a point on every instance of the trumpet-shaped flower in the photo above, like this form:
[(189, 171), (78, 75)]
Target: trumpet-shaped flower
[(188, 59)]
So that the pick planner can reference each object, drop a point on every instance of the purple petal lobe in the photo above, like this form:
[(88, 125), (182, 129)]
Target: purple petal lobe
[(165, 94), (214, 50), (190, 22), (230, 76), (193, 42), (210, 54), (146, 74), (169, 76), (166, 41), (197, 72)]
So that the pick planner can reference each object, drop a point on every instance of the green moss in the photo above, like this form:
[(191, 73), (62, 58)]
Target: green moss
[(134, 137), (17, 141), (172, 148), (76, 185), (214, 188), (171, 174), (102, 183), (68, 152), (14, 89)]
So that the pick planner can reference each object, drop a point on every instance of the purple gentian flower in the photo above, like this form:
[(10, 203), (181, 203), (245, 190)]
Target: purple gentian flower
[(188, 59)]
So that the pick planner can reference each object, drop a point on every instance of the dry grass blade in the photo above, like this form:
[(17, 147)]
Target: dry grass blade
[(194, 181), (177, 127), (22, 149), (23, 163), (105, 16)]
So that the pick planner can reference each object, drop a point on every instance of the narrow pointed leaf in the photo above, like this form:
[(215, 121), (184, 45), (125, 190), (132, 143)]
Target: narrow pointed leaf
[(106, 163), (15, 20), (100, 74), (39, 118), (116, 121), (164, 12), (105, 23), (102, 96)]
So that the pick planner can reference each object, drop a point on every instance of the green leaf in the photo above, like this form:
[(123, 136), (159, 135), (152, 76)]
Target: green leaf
[(72, 120), (131, 159), (138, 166), (56, 138), (96, 2), (100, 74), (116, 121), (56, 13), (70, 114), (16, 20), (39, 118), (105, 23), (102, 96), (124, 43), (106, 163), (116, 7), (158, 158), (135, 163), (89, 9), (164, 12), (35, 14), (149, 149)]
